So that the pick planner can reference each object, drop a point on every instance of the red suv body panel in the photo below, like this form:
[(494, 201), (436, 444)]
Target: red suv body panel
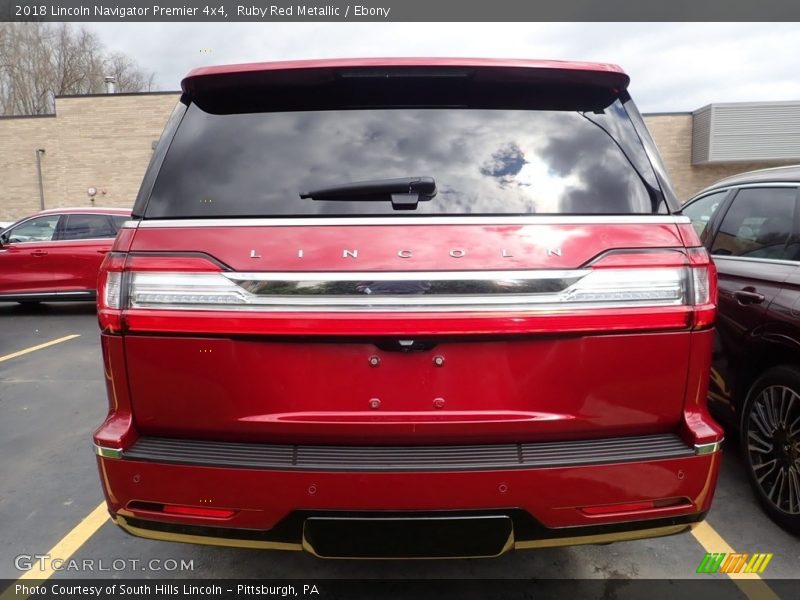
[(272, 378), (57, 269), (495, 63)]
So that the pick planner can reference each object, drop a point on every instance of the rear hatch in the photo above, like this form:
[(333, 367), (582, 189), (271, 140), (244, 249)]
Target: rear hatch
[(399, 253)]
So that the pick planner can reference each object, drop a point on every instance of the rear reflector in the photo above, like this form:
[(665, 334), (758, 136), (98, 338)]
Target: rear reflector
[(618, 508), (198, 511), (205, 512), (645, 505)]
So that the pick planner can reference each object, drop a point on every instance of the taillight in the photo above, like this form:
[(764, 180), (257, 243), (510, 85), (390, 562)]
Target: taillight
[(688, 276), (110, 292), (704, 287), (129, 280), (184, 289), (656, 285), (678, 281)]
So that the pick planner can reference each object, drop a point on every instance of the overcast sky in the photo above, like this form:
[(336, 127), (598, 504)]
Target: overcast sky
[(673, 66)]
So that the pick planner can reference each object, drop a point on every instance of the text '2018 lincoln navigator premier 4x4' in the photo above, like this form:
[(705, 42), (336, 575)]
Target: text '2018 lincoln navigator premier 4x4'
[(404, 308)]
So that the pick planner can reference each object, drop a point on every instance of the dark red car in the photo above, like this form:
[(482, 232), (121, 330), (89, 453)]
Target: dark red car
[(751, 225), (56, 254), (407, 307)]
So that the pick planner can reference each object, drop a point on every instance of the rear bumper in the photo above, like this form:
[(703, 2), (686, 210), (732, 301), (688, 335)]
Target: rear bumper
[(594, 534), (550, 497)]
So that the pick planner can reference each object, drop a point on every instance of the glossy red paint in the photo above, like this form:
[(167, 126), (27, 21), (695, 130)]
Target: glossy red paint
[(22, 268), (198, 511), (277, 248), (697, 425), (394, 324), (689, 236), (553, 496), (507, 377), (46, 269), (117, 431), (493, 391), (600, 358), (612, 72)]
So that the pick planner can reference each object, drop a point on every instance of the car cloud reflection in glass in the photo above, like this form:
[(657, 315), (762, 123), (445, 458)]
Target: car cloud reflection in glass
[(483, 161)]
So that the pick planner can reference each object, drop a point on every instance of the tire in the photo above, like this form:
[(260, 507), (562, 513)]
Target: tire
[(770, 443)]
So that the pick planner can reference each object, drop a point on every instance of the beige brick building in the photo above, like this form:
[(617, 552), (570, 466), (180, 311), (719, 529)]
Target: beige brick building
[(673, 134), (105, 142)]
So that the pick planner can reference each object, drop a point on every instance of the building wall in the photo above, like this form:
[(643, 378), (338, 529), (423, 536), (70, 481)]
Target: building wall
[(19, 184), (103, 142), (106, 142), (673, 136)]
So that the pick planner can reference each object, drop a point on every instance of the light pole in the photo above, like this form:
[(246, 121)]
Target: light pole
[(39, 152)]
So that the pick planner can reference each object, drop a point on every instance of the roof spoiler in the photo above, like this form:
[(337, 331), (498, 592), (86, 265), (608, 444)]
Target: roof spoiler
[(433, 82)]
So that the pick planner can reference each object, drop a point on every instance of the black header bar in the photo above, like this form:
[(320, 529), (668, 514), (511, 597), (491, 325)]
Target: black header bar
[(400, 10)]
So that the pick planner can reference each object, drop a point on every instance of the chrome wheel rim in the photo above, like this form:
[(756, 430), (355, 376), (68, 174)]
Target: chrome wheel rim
[(773, 446)]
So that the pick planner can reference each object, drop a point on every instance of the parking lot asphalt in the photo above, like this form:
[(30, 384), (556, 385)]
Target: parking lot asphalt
[(52, 398)]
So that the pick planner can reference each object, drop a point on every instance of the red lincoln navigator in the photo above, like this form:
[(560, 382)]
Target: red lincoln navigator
[(407, 308)]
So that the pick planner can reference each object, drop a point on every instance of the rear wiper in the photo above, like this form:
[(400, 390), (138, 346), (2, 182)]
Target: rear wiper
[(404, 193)]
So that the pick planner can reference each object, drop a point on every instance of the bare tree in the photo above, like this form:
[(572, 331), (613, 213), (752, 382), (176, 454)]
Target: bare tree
[(130, 78), (39, 61)]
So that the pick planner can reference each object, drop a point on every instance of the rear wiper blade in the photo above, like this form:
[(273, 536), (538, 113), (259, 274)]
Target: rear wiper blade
[(404, 193)]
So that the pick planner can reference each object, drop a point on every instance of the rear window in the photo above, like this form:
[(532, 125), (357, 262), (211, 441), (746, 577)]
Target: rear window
[(83, 227), (119, 220), (485, 161)]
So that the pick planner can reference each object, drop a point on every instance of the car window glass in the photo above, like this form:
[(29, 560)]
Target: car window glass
[(758, 225), (81, 227), (701, 211), (119, 220), (484, 161), (40, 229)]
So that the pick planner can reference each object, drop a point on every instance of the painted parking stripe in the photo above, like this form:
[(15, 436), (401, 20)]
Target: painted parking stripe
[(66, 338), (70, 543), (750, 584)]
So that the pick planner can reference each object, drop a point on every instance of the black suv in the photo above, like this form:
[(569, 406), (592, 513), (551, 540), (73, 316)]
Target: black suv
[(751, 225)]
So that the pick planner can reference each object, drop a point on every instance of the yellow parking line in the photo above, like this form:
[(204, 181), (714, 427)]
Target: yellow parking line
[(66, 338), (750, 584), (70, 543)]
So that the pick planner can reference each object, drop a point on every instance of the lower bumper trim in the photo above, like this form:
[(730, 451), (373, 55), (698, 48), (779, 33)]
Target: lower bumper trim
[(519, 524)]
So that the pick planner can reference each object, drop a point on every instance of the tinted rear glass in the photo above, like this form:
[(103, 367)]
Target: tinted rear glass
[(484, 161), (82, 227)]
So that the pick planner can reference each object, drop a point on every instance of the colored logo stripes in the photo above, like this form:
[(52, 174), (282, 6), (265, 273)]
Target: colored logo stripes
[(721, 562)]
